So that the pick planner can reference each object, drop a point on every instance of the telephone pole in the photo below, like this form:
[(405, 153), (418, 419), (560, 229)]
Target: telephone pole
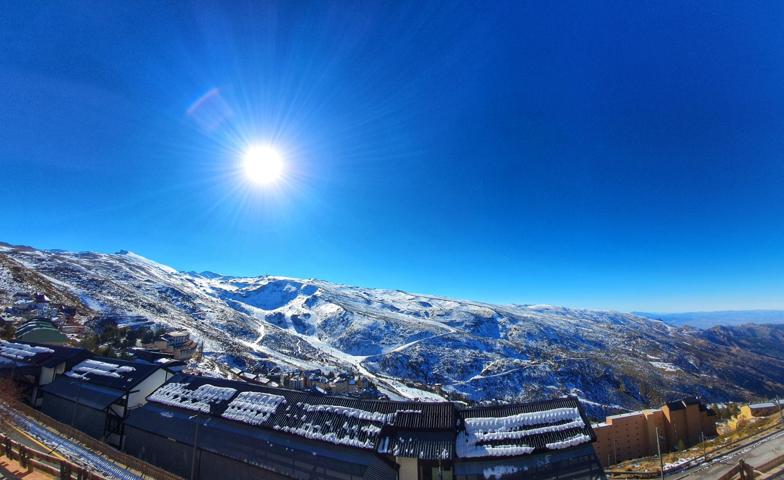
[(658, 450), (704, 448)]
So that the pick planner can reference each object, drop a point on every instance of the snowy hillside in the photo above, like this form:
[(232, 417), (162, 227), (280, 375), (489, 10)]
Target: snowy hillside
[(486, 352)]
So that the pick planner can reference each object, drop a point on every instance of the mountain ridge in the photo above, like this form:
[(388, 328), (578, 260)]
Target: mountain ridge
[(481, 351)]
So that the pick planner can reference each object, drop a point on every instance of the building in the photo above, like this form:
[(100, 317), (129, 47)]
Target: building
[(679, 424), (40, 330), (542, 440), (759, 410), (96, 395), (199, 427), (33, 365), (177, 343), (240, 430)]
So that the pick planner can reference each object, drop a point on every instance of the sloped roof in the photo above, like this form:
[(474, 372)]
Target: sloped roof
[(110, 373), (422, 445), (273, 450), (93, 396), (338, 420), (418, 429), (521, 429), (39, 355)]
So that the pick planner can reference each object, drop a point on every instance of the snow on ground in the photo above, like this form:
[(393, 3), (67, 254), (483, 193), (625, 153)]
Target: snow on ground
[(667, 367)]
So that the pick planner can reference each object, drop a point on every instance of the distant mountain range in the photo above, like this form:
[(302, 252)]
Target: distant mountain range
[(484, 352), (714, 319)]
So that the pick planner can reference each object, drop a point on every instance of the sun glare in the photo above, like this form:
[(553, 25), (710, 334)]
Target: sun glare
[(263, 164)]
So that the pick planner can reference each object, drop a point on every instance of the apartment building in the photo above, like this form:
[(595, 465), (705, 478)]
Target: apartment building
[(679, 424)]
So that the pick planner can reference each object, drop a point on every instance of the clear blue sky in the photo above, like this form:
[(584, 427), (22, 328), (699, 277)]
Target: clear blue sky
[(623, 155)]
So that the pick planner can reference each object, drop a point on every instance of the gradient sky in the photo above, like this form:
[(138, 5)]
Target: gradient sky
[(622, 155)]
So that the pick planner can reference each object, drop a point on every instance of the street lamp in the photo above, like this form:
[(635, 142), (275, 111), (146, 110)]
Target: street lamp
[(196, 443), (658, 450)]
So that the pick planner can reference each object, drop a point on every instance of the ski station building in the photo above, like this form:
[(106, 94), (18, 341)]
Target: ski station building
[(96, 395), (33, 365), (199, 427)]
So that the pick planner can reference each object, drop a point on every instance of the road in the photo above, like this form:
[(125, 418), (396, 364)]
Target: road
[(754, 454)]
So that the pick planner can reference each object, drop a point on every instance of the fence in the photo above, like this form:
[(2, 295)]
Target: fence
[(32, 459), (145, 469)]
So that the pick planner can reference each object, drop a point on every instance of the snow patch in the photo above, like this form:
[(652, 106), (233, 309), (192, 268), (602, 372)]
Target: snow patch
[(95, 367), (21, 351), (177, 395), (253, 408), (667, 367)]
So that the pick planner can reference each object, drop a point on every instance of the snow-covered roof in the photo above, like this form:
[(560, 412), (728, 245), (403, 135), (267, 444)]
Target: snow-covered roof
[(96, 367), (522, 429), (424, 430), (21, 351), (199, 399), (253, 408), (111, 373), (336, 420), (24, 354)]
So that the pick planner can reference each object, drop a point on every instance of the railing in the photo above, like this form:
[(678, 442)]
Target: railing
[(145, 469), (32, 459)]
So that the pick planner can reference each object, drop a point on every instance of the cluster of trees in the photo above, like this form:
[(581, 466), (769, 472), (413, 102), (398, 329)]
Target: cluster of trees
[(111, 341)]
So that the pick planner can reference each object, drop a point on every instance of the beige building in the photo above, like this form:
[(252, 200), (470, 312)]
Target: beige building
[(681, 423)]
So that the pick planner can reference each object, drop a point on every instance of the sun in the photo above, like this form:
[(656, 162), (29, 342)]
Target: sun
[(263, 164)]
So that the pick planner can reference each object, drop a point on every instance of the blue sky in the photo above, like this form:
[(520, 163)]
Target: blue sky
[(621, 155)]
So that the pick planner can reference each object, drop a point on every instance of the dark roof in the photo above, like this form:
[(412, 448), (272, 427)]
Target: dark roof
[(124, 378), (422, 445), (338, 420), (527, 428), (426, 430), (48, 356), (83, 393), (682, 403), (271, 449)]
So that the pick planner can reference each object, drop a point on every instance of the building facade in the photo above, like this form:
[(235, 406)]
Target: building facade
[(679, 424), (32, 366), (96, 395)]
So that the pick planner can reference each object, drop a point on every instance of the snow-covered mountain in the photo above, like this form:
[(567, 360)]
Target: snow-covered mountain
[(486, 352)]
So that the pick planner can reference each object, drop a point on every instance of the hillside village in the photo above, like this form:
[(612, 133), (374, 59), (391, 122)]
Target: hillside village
[(33, 317)]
